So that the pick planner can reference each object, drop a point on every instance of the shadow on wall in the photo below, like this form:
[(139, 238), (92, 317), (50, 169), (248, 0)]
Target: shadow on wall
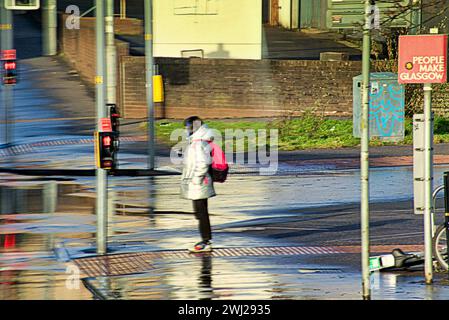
[(177, 73), (221, 53)]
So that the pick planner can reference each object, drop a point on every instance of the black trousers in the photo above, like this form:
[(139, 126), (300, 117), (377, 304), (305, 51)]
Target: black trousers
[(202, 214)]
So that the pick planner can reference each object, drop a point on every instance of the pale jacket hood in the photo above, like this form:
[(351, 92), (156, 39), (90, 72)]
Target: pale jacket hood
[(203, 133)]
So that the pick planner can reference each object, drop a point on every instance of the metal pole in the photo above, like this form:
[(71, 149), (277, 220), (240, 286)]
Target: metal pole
[(8, 99), (50, 197), (7, 42), (49, 28), (122, 9), (111, 54), (111, 209), (49, 205), (428, 164), (364, 154), (416, 16), (102, 179), (6, 27), (149, 64)]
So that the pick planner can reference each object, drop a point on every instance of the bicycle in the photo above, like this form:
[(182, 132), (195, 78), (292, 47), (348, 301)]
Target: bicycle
[(439, 244), (440, 240)]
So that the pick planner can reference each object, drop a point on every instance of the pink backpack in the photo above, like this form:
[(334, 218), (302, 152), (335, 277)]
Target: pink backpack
[(219, 168)]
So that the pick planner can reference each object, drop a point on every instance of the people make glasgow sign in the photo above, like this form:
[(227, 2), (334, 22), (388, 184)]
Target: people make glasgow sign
[(422, 59)]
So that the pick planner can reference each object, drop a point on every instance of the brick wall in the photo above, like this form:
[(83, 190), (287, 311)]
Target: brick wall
[(128, 26), (79, 48), (216, 88)]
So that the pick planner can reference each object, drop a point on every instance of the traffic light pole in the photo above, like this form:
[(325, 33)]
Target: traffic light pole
[(364, 153), (7, 43), (49, 28), (101, 174), (111, 54), (149, 66)]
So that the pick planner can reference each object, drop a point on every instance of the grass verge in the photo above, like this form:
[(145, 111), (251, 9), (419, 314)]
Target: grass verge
[(308, 132)]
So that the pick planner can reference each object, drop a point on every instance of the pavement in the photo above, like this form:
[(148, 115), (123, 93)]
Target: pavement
[(304, 45), (279, 43), (294, 235)]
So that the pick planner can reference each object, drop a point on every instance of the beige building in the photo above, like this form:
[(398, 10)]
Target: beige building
[(208, 28)]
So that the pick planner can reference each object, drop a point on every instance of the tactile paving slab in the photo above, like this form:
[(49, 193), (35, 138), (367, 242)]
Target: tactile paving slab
[(112, 265), (130, 263), (31, 147)]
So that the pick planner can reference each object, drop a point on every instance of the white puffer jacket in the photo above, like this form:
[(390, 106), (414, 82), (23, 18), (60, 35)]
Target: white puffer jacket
[(196, 182)]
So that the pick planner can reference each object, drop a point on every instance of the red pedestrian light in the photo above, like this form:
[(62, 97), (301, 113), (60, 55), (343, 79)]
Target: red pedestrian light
[(105, 150), (107, 140), (10, 65), (9, 72)]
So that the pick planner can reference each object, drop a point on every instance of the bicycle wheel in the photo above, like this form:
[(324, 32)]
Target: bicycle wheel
[(439, 247)]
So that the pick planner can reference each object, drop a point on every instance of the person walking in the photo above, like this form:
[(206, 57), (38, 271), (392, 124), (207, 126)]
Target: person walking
[(196, 181)]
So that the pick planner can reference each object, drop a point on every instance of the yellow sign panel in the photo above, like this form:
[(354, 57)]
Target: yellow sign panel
[(158, 89)]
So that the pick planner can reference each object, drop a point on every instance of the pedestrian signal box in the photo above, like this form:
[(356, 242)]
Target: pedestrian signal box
[(114, 115), (105, 150), (9, 67), (22, 4)]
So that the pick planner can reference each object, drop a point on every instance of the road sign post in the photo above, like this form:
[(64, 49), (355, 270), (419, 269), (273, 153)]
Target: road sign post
[(364, 153), (423, 60)]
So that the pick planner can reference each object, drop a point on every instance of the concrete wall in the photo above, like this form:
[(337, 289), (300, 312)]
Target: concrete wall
[(221, 28)]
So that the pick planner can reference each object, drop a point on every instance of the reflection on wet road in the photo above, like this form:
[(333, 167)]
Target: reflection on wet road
[(258, 279), (150, 216)]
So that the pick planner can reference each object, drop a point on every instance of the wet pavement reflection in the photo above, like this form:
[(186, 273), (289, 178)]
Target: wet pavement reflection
[(37, 245), (267, 278)]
